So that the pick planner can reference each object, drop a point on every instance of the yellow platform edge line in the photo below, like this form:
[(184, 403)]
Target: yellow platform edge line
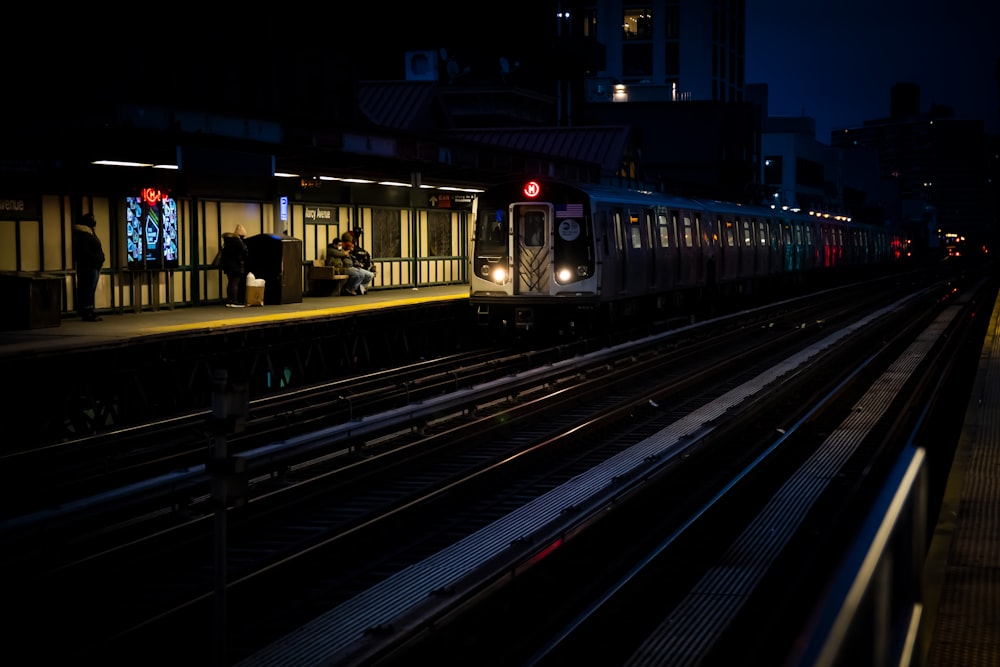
[(279, 317)]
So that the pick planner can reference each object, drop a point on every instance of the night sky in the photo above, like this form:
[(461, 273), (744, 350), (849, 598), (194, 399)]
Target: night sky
[(837, 60), (833, 60)]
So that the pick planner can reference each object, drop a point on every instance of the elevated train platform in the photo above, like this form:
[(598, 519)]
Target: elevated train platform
[(961, 624), (73, 334), (81, 378)]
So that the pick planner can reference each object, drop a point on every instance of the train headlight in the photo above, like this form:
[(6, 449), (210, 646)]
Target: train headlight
[(495, 271), (568, 274)]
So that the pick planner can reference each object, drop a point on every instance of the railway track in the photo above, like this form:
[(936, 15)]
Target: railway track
[(733, 571), (77, 468), (372, 510)]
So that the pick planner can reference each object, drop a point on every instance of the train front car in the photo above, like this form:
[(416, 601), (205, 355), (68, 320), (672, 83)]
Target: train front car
[(533, 259)]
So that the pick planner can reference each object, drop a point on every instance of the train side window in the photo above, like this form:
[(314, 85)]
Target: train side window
[(647, 229), (762, 234), (663, 226), (619, 222), (747, 233), (634, 231), (730, 232), (688, 232)]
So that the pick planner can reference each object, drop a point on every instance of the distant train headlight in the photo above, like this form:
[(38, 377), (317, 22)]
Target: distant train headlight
[(564, 275), (499, 275)]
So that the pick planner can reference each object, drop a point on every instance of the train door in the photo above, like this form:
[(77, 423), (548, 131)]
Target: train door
[(689, 271), (747, 245), (788, 234), (637, 277), (615, 261), (668, 263), (813, 239), (628, 251), (705, 246), (532, 227), (799, 245), (777, 246), (652, 256), (765, 266), (728, 255), (826, 240)]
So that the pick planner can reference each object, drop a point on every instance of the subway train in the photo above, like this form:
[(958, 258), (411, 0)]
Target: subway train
[(550, 255)]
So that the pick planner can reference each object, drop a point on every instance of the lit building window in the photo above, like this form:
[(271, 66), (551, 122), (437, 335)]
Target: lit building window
[(638, 24)]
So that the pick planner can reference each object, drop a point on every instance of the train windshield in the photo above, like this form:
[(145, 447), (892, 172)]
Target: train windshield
[(492, 229)]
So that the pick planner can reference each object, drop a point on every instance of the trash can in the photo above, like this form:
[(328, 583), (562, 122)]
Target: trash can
[(35, 300), (278, 260)]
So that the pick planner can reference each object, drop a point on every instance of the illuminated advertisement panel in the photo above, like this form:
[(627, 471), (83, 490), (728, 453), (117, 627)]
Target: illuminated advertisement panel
[(151, 230)]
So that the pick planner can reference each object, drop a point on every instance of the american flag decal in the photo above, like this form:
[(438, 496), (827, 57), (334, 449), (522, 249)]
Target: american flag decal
[(569, 211)]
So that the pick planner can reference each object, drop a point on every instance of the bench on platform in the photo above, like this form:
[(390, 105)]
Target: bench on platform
[(323, 281)]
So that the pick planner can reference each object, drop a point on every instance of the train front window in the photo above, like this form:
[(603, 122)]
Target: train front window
[(534, 229), (492, 231)]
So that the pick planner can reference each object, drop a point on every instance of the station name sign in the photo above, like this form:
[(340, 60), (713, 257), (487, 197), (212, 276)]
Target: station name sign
[(19, 208), (320, 214)]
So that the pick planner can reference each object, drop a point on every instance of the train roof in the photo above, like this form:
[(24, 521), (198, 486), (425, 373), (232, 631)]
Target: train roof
[(741, 209), (611, 194)]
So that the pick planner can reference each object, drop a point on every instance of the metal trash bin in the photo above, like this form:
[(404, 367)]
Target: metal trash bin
[(278, 260), (35, 300)]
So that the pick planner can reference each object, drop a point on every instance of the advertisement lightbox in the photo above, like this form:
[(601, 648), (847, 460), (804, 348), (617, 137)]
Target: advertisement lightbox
[(151, 230)]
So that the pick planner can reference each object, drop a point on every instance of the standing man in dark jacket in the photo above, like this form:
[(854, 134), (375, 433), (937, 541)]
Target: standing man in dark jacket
[(88, 254)]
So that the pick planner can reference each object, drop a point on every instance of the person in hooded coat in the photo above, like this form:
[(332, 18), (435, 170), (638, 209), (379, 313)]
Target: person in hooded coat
[(88, 255), (233, 263)]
